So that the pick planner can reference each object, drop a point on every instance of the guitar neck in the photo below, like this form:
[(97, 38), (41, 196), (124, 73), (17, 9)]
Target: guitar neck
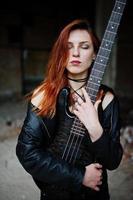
[(102, 58)]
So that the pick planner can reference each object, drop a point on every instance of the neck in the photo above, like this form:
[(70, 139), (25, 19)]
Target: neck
[(76, 87)]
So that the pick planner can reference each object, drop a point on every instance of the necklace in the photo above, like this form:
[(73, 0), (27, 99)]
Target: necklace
[(75, 91), (78, 80)]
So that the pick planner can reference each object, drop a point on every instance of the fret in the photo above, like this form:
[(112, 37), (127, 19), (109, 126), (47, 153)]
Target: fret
[(95, 77), (101, 60), (92, 93), (114, 23), (102, 64), (101, 57), (92, 90), (93, 99), (112, 26), (93, 87), (98, 67), (107, 41), (105, 48), (115, 18), (122, 1), (108, 36), (119, 6), (110, 32), (116, 13), (97, 73), (93, 84), (107, 44), (104, 52)]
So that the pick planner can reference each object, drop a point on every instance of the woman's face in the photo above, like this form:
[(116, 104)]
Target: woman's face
[(81, 53)]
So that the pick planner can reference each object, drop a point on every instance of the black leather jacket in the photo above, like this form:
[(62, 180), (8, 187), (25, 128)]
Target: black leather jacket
[(37, 134)]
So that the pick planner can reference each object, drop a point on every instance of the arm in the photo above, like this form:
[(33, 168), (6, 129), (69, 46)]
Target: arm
[(107, 148), (36, 160), (103, 134)]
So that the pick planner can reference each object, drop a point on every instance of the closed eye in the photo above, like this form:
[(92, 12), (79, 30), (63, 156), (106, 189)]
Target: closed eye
[(85, 46)]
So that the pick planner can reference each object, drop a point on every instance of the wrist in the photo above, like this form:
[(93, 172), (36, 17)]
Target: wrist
[(96, 132)]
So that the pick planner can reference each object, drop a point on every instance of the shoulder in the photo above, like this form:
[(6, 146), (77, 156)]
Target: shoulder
[(37, 97), (108, 97)]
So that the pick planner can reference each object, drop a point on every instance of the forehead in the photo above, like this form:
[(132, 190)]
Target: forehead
[(79, 36)]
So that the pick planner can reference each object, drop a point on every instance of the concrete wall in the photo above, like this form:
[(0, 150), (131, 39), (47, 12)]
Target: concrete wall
[(10, 73)]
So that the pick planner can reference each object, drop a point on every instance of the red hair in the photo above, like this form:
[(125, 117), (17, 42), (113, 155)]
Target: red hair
[(56, 75)]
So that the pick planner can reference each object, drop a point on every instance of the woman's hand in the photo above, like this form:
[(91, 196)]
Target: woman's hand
[(93, 176), (88, 115)]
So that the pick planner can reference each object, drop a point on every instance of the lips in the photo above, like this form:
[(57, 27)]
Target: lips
[(75, 62)]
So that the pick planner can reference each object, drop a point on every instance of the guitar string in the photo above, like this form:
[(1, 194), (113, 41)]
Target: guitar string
[(75, 128), (76, 149), (72, 134)]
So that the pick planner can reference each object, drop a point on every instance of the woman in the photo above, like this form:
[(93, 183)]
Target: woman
[(47, 143)]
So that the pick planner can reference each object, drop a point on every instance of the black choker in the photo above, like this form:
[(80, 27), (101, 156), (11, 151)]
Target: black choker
[(78, 80)]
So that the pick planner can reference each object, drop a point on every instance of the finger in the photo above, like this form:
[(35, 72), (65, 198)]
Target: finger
[(97, 104), (99, 183), (96, 188), (78, 96), (98, 166), (76, 112), (80, 101), (77, 109), (75, 97), (101, 177), (101, 171), (76, 106), (86, 96)]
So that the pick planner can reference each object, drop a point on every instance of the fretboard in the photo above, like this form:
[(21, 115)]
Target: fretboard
[(102, 58)]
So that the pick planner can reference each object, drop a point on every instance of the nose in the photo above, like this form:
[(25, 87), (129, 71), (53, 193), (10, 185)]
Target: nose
[(76, 52)]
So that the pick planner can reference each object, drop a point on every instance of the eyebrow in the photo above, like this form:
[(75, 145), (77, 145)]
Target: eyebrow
[(80, 42)]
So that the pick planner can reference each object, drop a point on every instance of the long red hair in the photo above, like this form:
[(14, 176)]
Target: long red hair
[(56, 74)]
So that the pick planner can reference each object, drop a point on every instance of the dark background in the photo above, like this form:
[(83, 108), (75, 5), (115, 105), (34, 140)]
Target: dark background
[(29, 29)]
